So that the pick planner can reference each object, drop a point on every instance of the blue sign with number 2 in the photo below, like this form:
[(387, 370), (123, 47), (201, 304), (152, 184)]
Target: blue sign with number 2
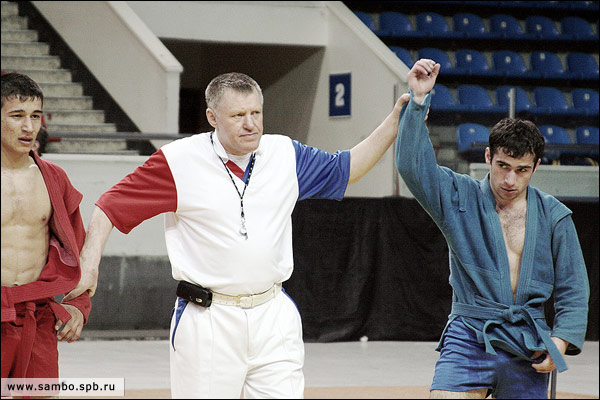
[(339, 95)]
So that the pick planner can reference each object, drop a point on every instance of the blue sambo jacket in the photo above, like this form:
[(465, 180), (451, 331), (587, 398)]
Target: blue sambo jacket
[(464, 210)]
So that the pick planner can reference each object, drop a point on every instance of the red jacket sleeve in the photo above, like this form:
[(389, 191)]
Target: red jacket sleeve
[(72, 199), (83, 303), (146, 192)]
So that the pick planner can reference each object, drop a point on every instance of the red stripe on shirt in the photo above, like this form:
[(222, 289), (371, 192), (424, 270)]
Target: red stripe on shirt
[(235, 169)]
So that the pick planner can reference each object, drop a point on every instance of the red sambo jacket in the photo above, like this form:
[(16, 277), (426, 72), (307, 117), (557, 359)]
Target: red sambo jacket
[(67, 233)]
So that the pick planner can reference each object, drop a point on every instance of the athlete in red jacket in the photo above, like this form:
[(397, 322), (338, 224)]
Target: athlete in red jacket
[(42, 234)]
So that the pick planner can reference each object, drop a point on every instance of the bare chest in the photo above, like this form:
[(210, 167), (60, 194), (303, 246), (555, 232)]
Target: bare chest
[(513, 228), (513, 223), (25, 199)]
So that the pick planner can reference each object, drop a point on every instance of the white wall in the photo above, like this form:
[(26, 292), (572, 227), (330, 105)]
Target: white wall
[(294, 23), (93, 175), (130, 62), (557, 180), (375, 70)]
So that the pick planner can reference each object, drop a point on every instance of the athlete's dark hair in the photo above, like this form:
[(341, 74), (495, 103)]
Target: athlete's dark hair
[(20, 86), (516, 137)]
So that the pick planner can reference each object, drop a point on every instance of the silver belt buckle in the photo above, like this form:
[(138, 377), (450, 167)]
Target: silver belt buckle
[(245, 302)]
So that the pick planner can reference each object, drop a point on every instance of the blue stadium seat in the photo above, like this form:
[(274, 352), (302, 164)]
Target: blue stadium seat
[(585, 101), (547, 5), (522, 99), (395, 24), (404, 55), (583, 5), (367, 19), (506, 26), (509, 63), (520, 4), (586, 135), (476, 98), (542, 27), (468, 134), (470, 25), (549, 100), (439, 56), (442, 99), (471, 62), (555, 134), (577, 28), (433, 25), (582, 66), (547, 64)]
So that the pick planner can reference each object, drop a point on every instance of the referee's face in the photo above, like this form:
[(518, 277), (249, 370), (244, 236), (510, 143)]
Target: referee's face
[(238, 121)]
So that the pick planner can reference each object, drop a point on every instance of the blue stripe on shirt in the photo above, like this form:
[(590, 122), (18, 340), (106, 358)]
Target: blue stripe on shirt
[(321, 175), (247, 171)]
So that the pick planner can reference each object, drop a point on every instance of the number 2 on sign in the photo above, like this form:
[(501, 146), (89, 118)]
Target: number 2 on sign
[(339, 95)]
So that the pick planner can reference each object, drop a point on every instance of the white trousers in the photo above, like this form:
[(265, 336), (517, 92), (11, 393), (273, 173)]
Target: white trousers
[(231, 352)]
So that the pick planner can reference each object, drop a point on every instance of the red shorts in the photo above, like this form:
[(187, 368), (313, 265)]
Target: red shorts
[(17, 360)]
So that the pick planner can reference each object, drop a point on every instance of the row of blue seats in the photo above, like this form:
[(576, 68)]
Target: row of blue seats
[(470, 136), (543, 64), (468, 25), (546, 100), (530, 5)]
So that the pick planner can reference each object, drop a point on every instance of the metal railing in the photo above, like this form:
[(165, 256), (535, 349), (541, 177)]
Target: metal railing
[(135, 136)]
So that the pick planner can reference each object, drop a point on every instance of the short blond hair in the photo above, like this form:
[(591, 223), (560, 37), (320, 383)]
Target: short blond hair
[(231, 80)]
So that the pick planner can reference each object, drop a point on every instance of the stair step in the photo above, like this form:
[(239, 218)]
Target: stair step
[(66, 109), (14, 23), (9, 8), (74, 116), (97, 152), (25, 35), (33, 62), (24, 49), (68, 103), (62, 89), (86, 128), (95, 146), (45, 75)]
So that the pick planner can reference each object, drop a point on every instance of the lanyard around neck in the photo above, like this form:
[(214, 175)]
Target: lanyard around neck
[(243, 230)]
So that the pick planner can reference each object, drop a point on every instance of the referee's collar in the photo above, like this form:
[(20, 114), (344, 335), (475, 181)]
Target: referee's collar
[(220, 150)]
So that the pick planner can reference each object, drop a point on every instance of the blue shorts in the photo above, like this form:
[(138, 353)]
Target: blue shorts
[(464, 365)]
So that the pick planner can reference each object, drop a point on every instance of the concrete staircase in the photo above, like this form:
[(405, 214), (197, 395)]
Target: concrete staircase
[(66, 109)]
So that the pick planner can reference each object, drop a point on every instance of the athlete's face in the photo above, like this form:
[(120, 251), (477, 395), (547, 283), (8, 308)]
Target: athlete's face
[(238, 120), (21, 122), (509, 177)]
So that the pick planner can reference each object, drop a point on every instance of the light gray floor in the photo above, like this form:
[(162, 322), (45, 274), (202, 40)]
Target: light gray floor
[(145, 364)]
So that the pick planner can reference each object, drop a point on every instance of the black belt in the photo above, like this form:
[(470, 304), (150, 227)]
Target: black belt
[(194, 293)]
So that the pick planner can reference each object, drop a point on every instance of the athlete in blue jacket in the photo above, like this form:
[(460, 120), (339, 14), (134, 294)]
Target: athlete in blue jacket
[(511, 246)]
